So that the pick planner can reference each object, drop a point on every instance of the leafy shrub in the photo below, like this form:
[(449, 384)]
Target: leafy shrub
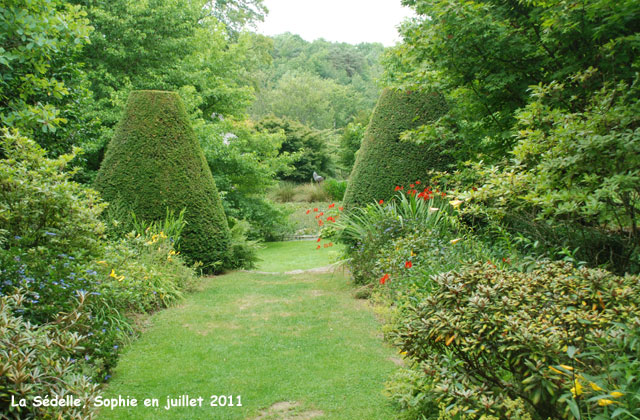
[(268, 221), (335, 188), (306, 146), (154, 162), (370, 231), (53, 249), (243, 253), (550, 338), (38, 360), (383, 160)]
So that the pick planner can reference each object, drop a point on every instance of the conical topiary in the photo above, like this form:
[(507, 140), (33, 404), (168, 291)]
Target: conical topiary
[(153, 163), (383, 160)]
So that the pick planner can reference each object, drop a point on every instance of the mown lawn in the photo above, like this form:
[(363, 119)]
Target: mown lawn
[(296, 255), (293, 346)]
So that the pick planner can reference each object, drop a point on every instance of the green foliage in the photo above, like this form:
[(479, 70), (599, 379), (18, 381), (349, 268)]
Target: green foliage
[(574, 172), (154, 162), (168, 45), (306, 146), (37, 360), (244, 162), (371, 233), (39, 41), (243, 253), (320, 84), (350, 142), (383, 160), (335, 188), (74, 285), (309, 99), (484, 336), (484, 55)]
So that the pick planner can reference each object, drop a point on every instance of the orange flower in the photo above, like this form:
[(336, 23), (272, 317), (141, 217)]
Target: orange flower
[(340, 208), (384, 279)]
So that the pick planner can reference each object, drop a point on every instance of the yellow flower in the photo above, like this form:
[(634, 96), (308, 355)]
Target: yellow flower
[(455, 203), (604, 402), (120, 278), (113, 273), (566, 367), (577, 389), (413, 254), (616, 394), (595, 386), (455, 241)]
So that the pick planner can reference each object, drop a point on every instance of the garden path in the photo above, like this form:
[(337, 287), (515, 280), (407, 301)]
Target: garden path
[(293, 346)]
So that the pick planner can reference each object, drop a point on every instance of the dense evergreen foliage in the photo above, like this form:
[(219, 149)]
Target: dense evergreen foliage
[(384, 161), (155, 163)]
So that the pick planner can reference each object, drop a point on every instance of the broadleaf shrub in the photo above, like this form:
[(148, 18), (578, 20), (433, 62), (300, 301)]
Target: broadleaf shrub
[(485, 336), (38, 360)]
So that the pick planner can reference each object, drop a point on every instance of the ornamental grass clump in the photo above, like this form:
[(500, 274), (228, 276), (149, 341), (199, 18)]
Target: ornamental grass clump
[(561, 341)]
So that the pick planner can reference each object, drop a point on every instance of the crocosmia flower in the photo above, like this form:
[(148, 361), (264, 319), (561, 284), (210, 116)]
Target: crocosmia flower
[(308, 211), (332, 205), (384, 279), (381, 202), (408, 264)]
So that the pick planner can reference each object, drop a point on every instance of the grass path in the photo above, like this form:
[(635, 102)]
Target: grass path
[(293, 346)]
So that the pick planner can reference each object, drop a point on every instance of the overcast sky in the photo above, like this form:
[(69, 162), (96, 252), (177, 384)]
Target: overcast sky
[(351, 21)]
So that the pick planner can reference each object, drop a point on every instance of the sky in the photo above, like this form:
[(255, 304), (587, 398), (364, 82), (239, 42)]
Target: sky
[(351, 21)]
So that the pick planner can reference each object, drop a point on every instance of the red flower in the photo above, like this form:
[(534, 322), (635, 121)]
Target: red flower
[(321, 213), (381, 202), (384, 279), (320, 223), (443, 195), (412, 186), (308, 211), (318, 247), (418, 183), (408, 264), (315, 209), (326, 245), (341, 208), (398, 188), (330, 243), (332, 205), (319, 239)]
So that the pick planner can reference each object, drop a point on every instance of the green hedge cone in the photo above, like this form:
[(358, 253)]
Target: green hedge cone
[(383, 160), (153, 163)]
